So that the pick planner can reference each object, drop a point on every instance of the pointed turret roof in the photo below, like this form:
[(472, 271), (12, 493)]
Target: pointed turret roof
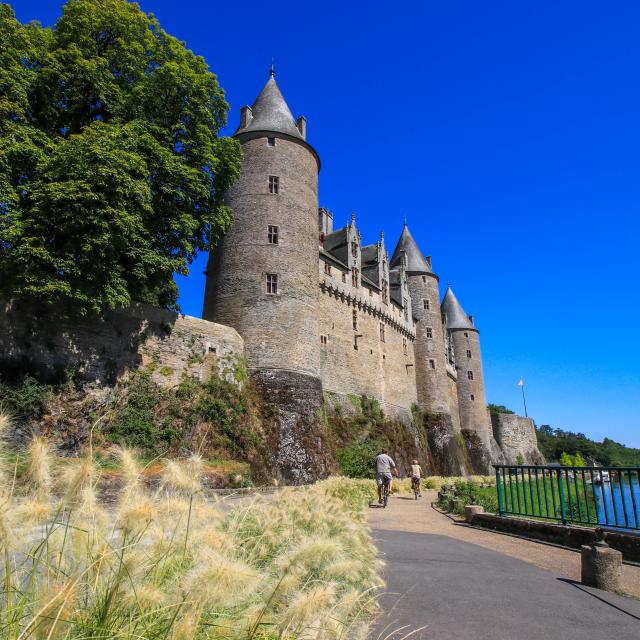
[(453, 313), (408, 246), (270, 112)]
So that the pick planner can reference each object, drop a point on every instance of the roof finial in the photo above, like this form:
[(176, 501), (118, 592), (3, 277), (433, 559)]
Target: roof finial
[(272, 70), (405, 221)]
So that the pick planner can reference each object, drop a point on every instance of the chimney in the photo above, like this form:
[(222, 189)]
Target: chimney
[(302, 126), (246, 116)]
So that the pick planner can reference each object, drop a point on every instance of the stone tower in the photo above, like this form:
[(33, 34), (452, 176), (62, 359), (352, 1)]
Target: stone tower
[(262, 278), (431, 376), (465, 340)]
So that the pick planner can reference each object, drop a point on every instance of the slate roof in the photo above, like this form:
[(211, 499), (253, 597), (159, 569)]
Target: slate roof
[(415, 260), (271, 113), (336, 243), (395, 286), (453, 313)]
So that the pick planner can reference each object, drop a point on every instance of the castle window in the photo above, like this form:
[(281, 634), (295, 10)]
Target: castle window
[(271, 142), (355, 342), (382, 332), (354, 249), (370, 292), (327, 268), (432, 364), (429, 332), (472, 397), (468, 353), (424, 279), (354, 277), (344, 277), (272, 283), (272, 234), (404, 346), (323, 339), (470, 375), (426, 304), (355, 320), (466, 335), (274, 184)]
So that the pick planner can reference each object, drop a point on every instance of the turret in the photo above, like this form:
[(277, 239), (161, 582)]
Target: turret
[(465, 340), (431, 370), (262, 278)]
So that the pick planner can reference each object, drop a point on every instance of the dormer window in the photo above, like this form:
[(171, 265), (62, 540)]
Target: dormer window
[(354, 249), (274, 184), (271, 142)]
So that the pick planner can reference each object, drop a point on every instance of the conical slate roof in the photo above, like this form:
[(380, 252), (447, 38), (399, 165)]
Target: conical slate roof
[(408, 246), (271, 113), (453, 313)]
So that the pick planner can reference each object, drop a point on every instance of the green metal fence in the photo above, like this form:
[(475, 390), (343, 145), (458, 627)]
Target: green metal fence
[(592, 496)]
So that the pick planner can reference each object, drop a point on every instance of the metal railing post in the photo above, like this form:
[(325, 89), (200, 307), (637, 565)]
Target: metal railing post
[(563, 509), (500, 510)]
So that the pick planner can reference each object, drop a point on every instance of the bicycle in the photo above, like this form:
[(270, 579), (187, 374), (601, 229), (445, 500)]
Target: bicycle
[(385, 492), (415, 485)]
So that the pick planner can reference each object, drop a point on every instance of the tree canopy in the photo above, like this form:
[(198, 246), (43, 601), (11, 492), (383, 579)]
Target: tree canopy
[(111, 167)]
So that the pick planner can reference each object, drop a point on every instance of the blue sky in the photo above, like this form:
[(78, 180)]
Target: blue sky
[(507, 132)]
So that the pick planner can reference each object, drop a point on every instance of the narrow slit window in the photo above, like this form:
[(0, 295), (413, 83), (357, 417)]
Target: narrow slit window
[(274, 184), (272, 283), (272, 234), (382, 336), (327, 268), (472, 397), (355, 320), (404, 346)]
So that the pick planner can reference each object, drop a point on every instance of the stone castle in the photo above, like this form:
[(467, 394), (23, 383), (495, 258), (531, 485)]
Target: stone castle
[(320, 312), (318, 317)]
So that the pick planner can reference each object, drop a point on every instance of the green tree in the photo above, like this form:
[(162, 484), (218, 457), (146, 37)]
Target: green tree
[(495, 409), (111, 168)]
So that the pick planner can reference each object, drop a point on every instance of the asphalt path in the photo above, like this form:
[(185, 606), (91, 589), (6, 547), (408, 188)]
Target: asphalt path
[(446, 589)]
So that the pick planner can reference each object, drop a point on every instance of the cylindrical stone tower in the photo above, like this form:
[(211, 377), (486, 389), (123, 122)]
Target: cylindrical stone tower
[(262, 278), (431, 372), (474, 415)]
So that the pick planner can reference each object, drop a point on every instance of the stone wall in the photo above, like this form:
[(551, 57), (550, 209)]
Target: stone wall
[(101, 351), (515, 436), (384, 370)]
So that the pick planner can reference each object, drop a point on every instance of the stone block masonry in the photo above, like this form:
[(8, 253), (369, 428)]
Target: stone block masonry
[(96, 351), (516, 436)]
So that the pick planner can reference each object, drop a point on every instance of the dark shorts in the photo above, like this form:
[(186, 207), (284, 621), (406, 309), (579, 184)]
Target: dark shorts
[(381, 477)]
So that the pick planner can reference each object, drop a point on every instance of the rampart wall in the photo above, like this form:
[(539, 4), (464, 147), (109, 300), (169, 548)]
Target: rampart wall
[(101, 351), (381, 369)]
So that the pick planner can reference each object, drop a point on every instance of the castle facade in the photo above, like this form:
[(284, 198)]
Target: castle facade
[(321, 314)]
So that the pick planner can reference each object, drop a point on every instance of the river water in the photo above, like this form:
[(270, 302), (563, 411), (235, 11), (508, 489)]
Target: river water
[(616, 503)]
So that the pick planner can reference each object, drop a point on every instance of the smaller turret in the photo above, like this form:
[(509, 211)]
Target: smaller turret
[(431, 370), (465, 339)]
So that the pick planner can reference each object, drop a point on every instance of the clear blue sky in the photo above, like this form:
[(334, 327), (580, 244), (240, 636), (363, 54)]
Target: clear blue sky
[(507, 132)]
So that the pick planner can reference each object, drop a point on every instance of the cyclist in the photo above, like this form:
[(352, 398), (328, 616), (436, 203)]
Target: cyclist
[(384, 465), (416, 476)]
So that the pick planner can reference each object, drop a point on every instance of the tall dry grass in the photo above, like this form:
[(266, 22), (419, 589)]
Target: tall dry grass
[(170, 564)]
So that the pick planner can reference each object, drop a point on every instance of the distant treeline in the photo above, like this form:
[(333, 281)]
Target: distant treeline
[(608, 453)]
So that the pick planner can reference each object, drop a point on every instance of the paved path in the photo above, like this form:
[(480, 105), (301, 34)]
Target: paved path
[(441, 586)]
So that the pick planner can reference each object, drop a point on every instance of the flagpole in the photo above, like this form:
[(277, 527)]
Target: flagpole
[(524, 400)]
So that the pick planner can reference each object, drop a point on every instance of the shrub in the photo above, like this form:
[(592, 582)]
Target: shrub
[(27, 398), (356, 460)]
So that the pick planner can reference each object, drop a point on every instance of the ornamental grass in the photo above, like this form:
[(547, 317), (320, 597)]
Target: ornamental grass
[(169, 563)]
